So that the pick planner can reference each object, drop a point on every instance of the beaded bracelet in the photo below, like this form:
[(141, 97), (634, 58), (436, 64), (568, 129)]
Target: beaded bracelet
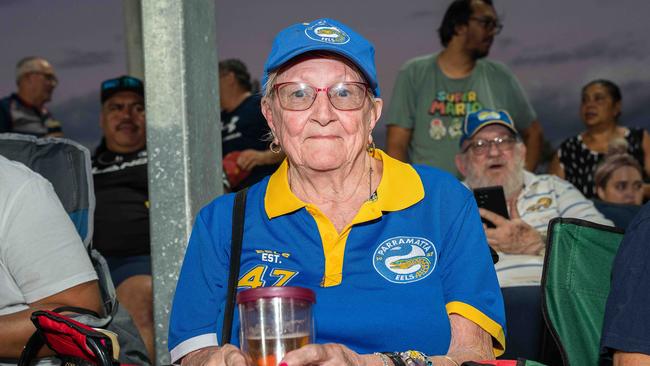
[(415, 358), (384, 358), (451, 359), (397, 360)]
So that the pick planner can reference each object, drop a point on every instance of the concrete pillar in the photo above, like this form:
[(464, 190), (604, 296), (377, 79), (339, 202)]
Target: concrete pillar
[(183, 135), (133, 37)]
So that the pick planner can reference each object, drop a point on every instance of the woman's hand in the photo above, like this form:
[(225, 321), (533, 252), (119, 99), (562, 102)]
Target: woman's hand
[(331, 354), (227, 355)]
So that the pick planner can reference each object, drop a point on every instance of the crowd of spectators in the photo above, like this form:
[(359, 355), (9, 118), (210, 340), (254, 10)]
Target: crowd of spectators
[(454, 110)]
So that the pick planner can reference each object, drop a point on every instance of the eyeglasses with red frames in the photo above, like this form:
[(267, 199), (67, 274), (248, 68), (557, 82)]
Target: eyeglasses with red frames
[(344, 96)]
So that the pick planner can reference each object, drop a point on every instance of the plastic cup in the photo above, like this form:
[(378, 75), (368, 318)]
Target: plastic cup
[(274, 321)]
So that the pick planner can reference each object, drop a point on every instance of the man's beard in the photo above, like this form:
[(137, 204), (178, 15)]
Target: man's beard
[(479, 54), (512, 180)]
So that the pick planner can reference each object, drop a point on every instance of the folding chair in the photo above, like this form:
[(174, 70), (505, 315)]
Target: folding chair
[(66, 164), (575, 285)]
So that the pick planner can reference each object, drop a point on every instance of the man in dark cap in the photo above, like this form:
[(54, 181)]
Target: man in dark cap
[(121, 190)]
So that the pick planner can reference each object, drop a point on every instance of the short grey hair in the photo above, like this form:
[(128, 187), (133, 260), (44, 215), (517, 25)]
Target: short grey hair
[(26, 65)]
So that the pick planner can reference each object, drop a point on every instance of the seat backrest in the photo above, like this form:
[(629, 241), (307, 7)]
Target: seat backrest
[(575, 283), (66, 164), (620, 214)]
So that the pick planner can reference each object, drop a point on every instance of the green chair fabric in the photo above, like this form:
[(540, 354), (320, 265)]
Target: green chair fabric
[(575, 282)]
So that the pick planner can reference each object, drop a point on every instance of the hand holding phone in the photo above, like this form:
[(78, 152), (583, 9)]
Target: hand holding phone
[(493, 199)]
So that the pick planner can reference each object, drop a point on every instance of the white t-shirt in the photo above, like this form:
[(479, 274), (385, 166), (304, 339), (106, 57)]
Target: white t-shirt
[(41, 253)]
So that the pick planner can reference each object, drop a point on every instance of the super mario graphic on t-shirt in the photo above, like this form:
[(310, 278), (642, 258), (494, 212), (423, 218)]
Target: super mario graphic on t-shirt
[(449, 109)]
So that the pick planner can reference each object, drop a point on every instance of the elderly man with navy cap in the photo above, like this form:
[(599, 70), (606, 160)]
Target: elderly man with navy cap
[(492, 154), (395, 254)]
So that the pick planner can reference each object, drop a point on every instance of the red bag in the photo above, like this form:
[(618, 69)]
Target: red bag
[(234, 173), (76, 344)]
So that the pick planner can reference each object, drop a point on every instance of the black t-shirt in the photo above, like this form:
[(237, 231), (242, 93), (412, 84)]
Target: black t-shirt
[(580, 163), (122, 203), (246, 128)]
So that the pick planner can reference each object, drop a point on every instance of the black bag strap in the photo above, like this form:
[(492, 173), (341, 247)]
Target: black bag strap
[(34, 344), (238, 211)]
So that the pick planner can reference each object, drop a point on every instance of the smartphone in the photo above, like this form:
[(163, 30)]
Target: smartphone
[(493, 199)]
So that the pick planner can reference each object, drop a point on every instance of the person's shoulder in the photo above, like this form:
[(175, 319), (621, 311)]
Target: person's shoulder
[(5, 103), (221, 207), (435, 179), (254, 99), (636, 132), (494, 66), (570, 141), (552, 180), (642, 218), (419, 62), (14, 175)]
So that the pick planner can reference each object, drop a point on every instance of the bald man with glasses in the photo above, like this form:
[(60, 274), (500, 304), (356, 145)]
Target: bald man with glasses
[(24, 111)]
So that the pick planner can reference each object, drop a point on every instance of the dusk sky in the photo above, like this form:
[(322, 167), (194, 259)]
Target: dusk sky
[(553, 47)]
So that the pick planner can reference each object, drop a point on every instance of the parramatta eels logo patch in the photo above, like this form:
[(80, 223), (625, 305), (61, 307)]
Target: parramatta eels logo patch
[(323, 31), (405, 259)]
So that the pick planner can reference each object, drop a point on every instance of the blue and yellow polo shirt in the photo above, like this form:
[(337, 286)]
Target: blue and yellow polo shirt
[(386, 282)]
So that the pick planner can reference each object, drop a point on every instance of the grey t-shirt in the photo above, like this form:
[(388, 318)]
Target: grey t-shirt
[(434, 106)]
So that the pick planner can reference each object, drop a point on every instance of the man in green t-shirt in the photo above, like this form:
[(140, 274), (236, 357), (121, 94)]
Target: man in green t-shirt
[(433, 93)]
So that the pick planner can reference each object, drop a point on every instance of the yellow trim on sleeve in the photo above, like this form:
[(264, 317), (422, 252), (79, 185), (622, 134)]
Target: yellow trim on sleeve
[(483, 321)]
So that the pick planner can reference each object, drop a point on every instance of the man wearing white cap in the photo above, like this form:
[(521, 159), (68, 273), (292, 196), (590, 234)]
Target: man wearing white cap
[(24, 111)]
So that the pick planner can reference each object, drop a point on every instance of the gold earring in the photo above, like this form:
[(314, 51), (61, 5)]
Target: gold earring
[(275, 147), (371, 148)]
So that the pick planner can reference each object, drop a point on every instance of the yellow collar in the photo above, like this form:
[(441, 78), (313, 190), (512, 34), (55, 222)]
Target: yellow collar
[(400, 187)]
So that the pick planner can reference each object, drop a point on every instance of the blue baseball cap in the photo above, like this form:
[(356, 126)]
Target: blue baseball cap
[(476, 120), (323, 35)]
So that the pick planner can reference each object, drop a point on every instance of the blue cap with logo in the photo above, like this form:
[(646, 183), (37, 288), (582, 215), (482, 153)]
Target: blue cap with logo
[(476, 120), (323, 35)]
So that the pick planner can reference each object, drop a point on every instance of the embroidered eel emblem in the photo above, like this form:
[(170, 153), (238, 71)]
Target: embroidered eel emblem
[(407, 263)]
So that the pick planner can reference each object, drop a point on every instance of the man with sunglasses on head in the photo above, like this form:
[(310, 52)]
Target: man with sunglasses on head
[(122, 201), (24, 111), (492, 154), (433, 93)]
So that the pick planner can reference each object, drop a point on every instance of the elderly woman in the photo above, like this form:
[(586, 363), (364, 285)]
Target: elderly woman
[(578, 157), (340, 213)]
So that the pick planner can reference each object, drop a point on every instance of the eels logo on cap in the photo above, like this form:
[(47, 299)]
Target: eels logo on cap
[(486, 115), (405, 259), (323, 31)]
